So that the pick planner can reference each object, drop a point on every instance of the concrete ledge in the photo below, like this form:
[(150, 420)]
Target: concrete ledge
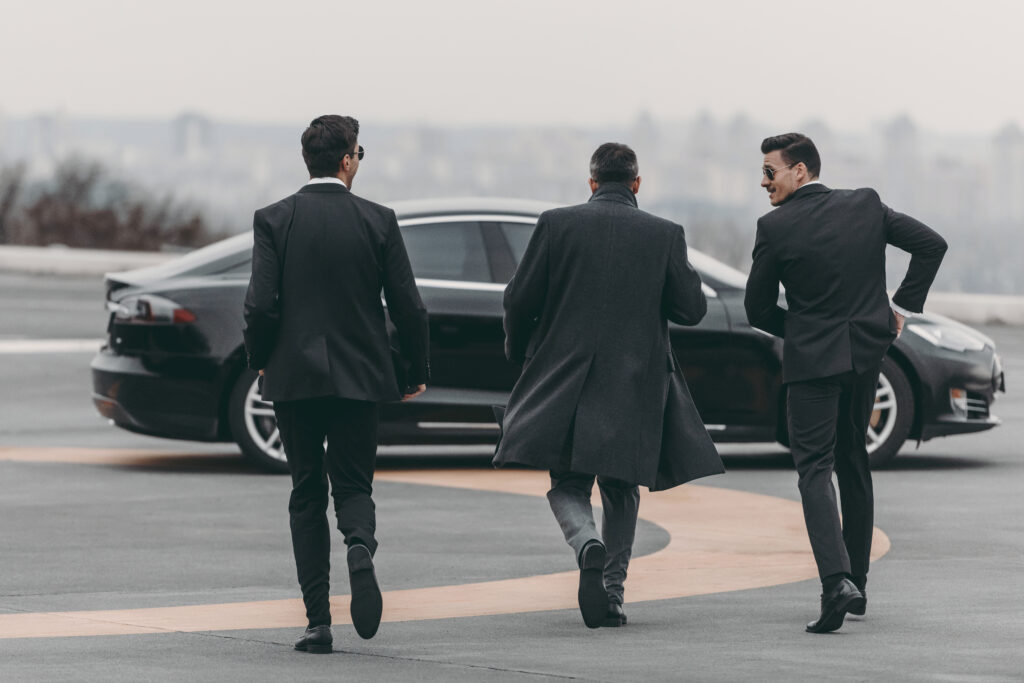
[(67, 261), (978, 309), (975, 309)]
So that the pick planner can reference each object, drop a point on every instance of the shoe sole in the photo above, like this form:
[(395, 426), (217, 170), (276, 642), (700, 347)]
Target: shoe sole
[(613, 622), (317, 649), (835, 620), (367, 604), (592, 596)]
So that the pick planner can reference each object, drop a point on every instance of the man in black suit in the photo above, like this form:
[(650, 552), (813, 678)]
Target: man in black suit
[(827, 248), (315, 329), (601, 393)]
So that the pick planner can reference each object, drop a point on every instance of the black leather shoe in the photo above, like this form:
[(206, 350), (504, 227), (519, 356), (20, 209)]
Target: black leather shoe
[(860, 609), (366, 604), (834, 605), (318, 640), (614, 616), (592, 596)]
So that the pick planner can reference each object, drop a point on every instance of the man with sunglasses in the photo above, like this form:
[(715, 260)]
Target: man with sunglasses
[(827, 248), (315, 330)]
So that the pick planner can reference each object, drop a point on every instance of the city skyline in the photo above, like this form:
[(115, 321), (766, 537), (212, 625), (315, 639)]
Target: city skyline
[(703, 172)]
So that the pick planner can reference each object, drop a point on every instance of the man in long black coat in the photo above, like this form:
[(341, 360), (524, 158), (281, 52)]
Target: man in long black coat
[(601, 394), (315, 327), (827, 247)]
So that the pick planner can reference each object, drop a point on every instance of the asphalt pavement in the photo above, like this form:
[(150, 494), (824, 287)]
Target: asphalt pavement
[(194, 525)]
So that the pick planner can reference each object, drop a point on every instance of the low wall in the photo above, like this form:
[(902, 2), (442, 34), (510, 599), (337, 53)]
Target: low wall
[(975, 309), (66, 261)]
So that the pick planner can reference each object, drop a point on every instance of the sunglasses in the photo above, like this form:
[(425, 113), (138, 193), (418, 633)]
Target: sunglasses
[(768, 171), (362, 152)]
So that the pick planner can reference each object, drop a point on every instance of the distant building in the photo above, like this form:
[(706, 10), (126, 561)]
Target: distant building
[(192, 136), (1007, 186)]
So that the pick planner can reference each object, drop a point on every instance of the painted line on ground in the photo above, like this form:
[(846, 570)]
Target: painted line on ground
[(720, 540), (31, 346)]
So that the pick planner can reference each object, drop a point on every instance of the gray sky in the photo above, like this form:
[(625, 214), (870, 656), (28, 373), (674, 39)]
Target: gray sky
[(951, 66)]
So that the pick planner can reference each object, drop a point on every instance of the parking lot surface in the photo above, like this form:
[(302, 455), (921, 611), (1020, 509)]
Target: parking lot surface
[(162, 535)]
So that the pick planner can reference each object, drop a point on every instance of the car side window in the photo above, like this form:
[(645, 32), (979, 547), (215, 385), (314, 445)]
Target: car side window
[(518, 236), (447, 251)]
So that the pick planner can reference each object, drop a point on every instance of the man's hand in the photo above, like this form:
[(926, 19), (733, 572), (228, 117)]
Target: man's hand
[(899, 323), (261, 373), (419, 390)]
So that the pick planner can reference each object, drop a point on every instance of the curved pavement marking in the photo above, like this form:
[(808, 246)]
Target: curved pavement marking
[(720, 540), (28, 346)]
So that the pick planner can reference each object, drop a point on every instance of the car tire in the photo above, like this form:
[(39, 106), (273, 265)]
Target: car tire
[(253, 425), (893, 417)]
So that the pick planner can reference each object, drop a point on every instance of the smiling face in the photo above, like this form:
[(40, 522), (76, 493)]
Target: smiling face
[(785, 178)]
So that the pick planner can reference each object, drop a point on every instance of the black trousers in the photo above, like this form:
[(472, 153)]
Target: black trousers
[(350, 428), (828, 422)]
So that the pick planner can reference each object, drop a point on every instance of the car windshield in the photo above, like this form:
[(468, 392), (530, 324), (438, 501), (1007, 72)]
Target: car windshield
[(716, 270)]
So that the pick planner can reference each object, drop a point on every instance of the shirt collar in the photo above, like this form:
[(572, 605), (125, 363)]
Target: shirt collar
[(319, 181)]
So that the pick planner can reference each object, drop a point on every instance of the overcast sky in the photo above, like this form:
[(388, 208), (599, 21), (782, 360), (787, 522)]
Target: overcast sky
[(951, 66)]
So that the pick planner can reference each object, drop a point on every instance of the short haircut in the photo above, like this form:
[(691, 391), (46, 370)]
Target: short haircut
[(613, 163), (795, 148), (326, 142)]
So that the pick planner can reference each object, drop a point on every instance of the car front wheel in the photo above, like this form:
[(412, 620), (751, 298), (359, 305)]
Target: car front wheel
[(253, 424), (891, 420), (893, 416)]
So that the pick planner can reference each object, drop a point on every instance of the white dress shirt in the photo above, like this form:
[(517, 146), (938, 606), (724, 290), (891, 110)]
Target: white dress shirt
[(330, 179)]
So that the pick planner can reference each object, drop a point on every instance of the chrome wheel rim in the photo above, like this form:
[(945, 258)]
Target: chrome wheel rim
[(261, 424), (883, 417)]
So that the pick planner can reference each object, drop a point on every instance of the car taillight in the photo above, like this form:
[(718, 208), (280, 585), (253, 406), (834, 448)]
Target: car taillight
[(148, 308)]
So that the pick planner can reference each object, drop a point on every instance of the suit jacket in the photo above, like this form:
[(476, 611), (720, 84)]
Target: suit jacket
[(586, 313), (827, 248), (314, 319)]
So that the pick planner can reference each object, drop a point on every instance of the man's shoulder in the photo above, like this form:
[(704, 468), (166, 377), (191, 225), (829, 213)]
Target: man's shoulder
[(371, 208), (282, 208), (861, 194)]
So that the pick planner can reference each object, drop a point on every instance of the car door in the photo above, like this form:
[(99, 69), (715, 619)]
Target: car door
[(450, 260)]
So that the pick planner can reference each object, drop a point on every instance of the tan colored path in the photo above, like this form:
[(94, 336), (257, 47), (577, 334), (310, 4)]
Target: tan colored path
[(721, 540)]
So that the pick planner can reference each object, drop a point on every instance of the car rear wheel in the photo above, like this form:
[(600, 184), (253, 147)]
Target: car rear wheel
[(893, 416), (253, 424)]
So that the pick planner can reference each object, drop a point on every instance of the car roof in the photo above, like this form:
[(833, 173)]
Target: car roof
[(416, 208)]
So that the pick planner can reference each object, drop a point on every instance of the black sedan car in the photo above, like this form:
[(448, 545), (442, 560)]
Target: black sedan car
[(173, 365)]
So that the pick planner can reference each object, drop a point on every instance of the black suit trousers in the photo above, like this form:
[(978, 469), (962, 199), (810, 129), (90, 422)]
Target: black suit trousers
[(350, 428), (828, 422)]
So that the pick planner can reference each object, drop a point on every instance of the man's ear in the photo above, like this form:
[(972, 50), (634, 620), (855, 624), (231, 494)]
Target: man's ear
[(636, 185), (593, 185)]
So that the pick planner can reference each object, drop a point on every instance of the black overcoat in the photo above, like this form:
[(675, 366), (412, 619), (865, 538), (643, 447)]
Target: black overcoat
[(313, 314), (586, 314)]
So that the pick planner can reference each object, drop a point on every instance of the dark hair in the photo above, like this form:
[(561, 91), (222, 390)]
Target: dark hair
[(795, 148), (326, 142), (613, 163)]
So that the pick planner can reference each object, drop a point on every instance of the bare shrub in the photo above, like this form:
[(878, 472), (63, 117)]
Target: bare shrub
[(83, 206)]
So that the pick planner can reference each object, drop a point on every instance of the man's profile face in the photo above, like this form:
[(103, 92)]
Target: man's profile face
[(785, 181)]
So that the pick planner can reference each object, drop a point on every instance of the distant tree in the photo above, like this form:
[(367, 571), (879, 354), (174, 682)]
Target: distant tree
[(82, 206), (11, 181)]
